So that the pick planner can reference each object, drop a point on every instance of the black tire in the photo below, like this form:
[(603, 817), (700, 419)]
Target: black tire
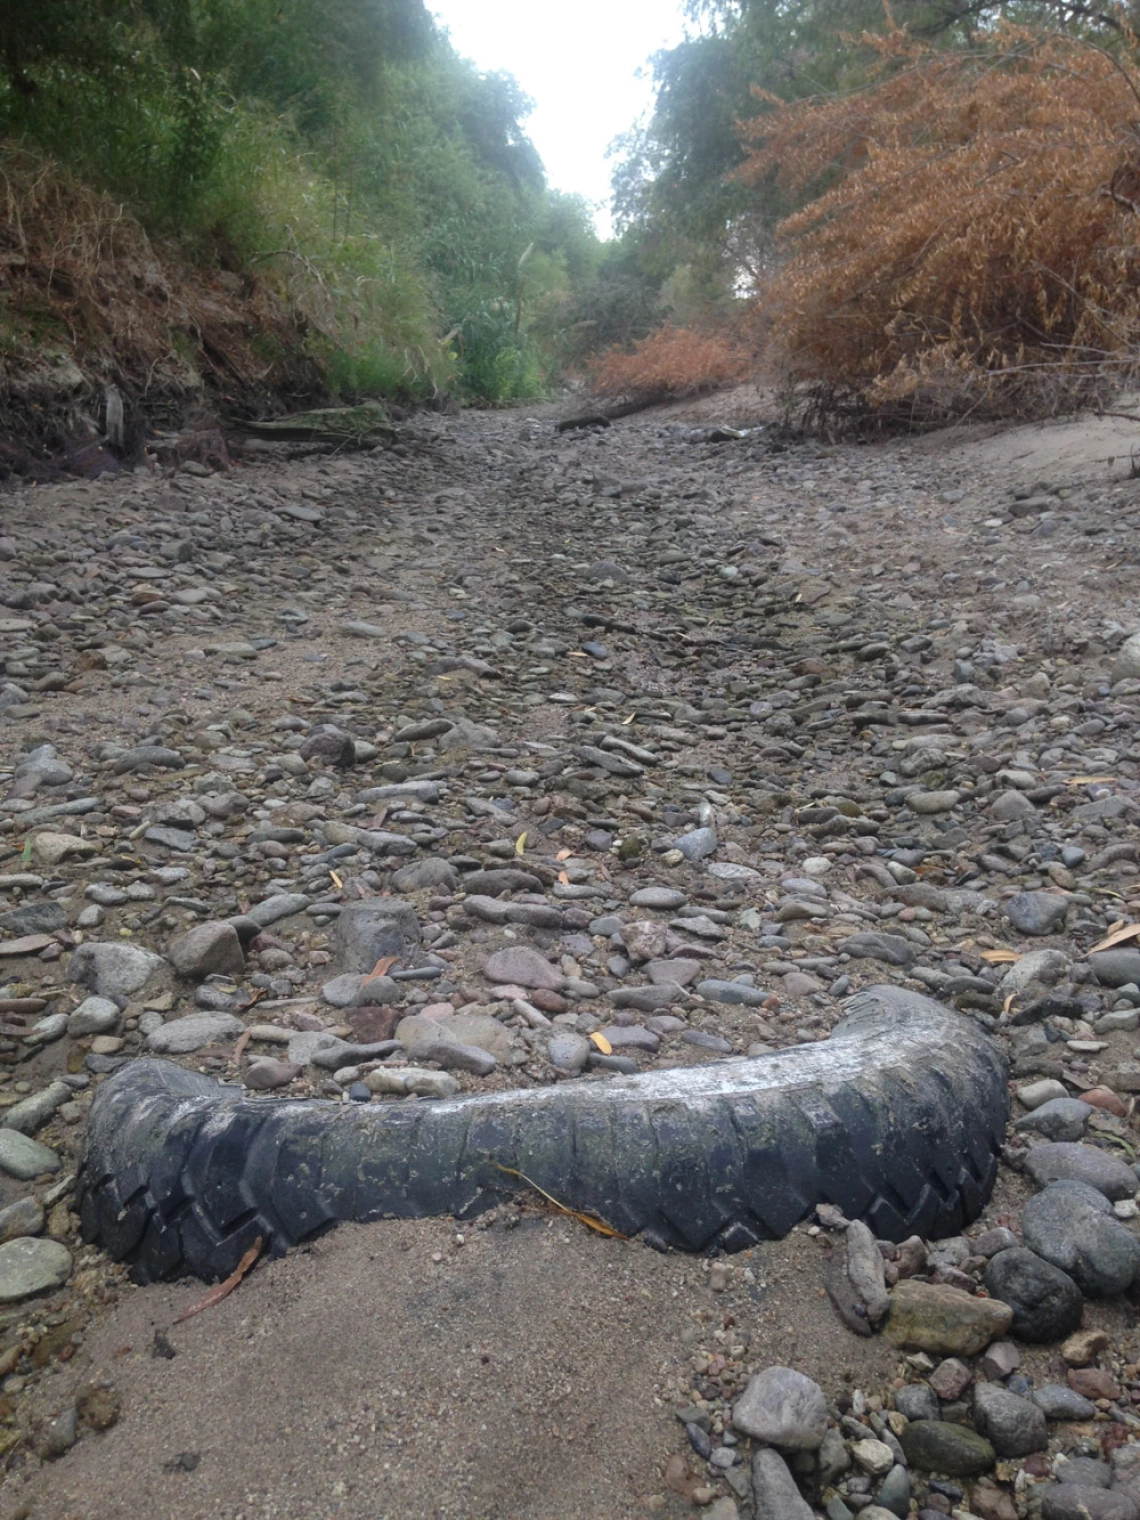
[(897, 1119)]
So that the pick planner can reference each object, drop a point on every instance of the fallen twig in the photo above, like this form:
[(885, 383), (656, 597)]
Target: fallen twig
[(223, 1289), (589, 1220), (610, 414)]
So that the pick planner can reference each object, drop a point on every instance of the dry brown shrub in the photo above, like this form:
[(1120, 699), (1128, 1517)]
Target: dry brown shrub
[(88, 300), (671, 362), (975, 245)]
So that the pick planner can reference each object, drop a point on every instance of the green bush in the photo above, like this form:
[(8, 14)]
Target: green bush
[(339, 148), (496, 363)]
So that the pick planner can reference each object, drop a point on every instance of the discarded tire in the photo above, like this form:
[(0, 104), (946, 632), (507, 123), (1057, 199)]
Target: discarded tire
[(897, 1119)]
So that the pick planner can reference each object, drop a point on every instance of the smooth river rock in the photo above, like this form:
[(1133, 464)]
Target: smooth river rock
[(29, 1266), (942, 1320)]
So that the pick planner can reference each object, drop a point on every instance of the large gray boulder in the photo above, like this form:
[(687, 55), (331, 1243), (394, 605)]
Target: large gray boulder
[(111, 969)]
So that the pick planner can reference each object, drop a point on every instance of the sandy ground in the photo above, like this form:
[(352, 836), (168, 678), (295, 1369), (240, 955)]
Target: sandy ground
[(524, 1376)]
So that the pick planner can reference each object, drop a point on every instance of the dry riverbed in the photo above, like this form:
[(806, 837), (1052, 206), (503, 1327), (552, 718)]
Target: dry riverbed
[(717, 733)]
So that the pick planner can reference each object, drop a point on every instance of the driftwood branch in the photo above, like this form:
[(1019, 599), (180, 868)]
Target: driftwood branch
[(604, 418), (353, 425)]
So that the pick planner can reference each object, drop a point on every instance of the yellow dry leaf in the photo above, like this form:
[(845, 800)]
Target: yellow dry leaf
[(564, 855), (602, 1043), (564, 880), (520, 844), (1009, 1002), (1000, 957), (1090, 780), (1116, 936), (625, 722), (336, 879), (579, 654)]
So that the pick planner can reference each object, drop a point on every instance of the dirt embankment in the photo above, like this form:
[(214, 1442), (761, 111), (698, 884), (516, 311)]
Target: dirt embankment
[(90, 305)]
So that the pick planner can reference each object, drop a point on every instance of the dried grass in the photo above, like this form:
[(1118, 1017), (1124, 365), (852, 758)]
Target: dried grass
[(972, 245), (670, 363), (84, 292)]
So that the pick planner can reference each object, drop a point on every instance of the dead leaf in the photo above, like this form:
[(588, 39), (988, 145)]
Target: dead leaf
[(381, 968), (520, 844), (336, 879), (564, 880), (243, 1041), (254, 997), (602, 1043), (625, 722), (1116, 936), (1009, 1002), (588, 1220), (1000, 957), (564, 855), (1090, 780), (223, 1289), (579, 654)]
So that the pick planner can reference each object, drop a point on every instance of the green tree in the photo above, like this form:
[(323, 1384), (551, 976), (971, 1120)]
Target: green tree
[(341, 145)]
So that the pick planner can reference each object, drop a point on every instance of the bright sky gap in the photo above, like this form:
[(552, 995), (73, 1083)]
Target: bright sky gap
[(586, 69)]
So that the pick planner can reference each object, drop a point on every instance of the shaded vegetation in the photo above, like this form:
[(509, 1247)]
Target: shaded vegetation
[(336, 152)]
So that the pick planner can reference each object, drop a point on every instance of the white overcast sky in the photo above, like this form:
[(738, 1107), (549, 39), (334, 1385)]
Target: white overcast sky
[(579, 64)]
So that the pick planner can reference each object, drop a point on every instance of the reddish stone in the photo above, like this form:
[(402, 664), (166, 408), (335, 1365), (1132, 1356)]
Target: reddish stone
[(266, 1074), (950, 1379), (299, 1019), (953, 1278), (679, 1478), (266, 941), (548, 1000), (437, 1011), (1104, 1097), (989, 1502), (910, 1257), (1093, 1383), (1115, 1435), (373, 1023)]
